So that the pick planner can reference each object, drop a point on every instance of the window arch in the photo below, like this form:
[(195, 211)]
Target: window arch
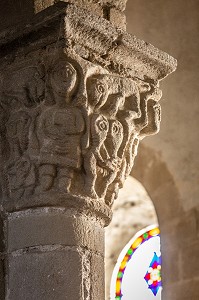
[(137, 274)]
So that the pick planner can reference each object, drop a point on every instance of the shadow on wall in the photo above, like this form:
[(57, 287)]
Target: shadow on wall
[(153, 173), (136, 208), (13, 12)]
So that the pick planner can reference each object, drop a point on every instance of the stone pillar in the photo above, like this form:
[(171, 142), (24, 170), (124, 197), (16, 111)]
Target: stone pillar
[(77, 95)]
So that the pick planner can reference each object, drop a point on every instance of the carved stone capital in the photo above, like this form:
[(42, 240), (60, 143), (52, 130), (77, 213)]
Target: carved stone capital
[(74, 111)]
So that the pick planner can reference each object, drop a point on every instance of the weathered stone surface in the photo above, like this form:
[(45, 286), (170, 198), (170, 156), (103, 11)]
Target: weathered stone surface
[(2, 278), (72, 127), (77, 96), (12, 12), (56, 274), (51, 148), (119, 4), (50, 226), (117, 18), (95, 40), (97, 276)]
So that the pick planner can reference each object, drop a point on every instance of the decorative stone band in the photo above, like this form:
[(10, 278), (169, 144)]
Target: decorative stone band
[(77, 95)]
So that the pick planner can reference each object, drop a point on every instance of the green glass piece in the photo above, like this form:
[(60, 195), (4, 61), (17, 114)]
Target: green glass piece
[(145, 235), (130, 251)]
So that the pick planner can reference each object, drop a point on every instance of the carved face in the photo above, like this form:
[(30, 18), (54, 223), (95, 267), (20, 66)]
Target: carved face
[(63, 78), (114, 137), (154, 118), (97, 92), (100, 127)]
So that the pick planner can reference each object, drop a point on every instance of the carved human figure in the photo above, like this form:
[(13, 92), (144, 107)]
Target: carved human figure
[(17, 128), (149, 121), (62, 82), (127, 112), (153, 112), (59, 130), (21, 89), (97, 154), (97, 91), (21, 176), (59, 125), (20, 170), (24, 87), (117, 99), (112, 165)]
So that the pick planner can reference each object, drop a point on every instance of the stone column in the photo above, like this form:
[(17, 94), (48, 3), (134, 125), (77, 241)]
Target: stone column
[(77, 95)]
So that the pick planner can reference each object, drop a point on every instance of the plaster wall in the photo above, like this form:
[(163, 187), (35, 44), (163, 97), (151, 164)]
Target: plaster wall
[(168, 163), (173, 26)]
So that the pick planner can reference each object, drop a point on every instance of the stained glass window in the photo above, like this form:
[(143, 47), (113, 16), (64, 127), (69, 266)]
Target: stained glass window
[(137, 274)]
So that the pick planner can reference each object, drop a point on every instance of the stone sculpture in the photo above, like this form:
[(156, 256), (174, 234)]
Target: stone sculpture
[(60, 131), (77, 94)]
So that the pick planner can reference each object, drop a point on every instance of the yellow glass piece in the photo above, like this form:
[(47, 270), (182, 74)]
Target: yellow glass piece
[(137, 243), (118, 286), (154, 232), (123, 264)]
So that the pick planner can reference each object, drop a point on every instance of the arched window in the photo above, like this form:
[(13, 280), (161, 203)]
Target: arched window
[(137, 274)]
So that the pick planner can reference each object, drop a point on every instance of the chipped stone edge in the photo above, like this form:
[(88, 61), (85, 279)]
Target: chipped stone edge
[(107, 45)]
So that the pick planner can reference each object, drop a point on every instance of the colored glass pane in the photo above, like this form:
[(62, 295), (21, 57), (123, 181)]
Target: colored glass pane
[(139, 268)]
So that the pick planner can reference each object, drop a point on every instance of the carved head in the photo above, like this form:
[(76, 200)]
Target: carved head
[(151, 111), (23, 87), (99, 128), (114, 137), (97, 90), (63, 79)]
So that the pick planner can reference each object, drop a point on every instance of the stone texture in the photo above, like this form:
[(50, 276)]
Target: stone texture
[(117, 18), (50, 226), (55, 274), (49, 156), (2, 278), (13, 12), (77, 96), (97, 41), (97, 276)]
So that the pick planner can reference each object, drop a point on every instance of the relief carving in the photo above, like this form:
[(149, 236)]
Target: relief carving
[(21, 90), (60, 129), (71, 130)]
